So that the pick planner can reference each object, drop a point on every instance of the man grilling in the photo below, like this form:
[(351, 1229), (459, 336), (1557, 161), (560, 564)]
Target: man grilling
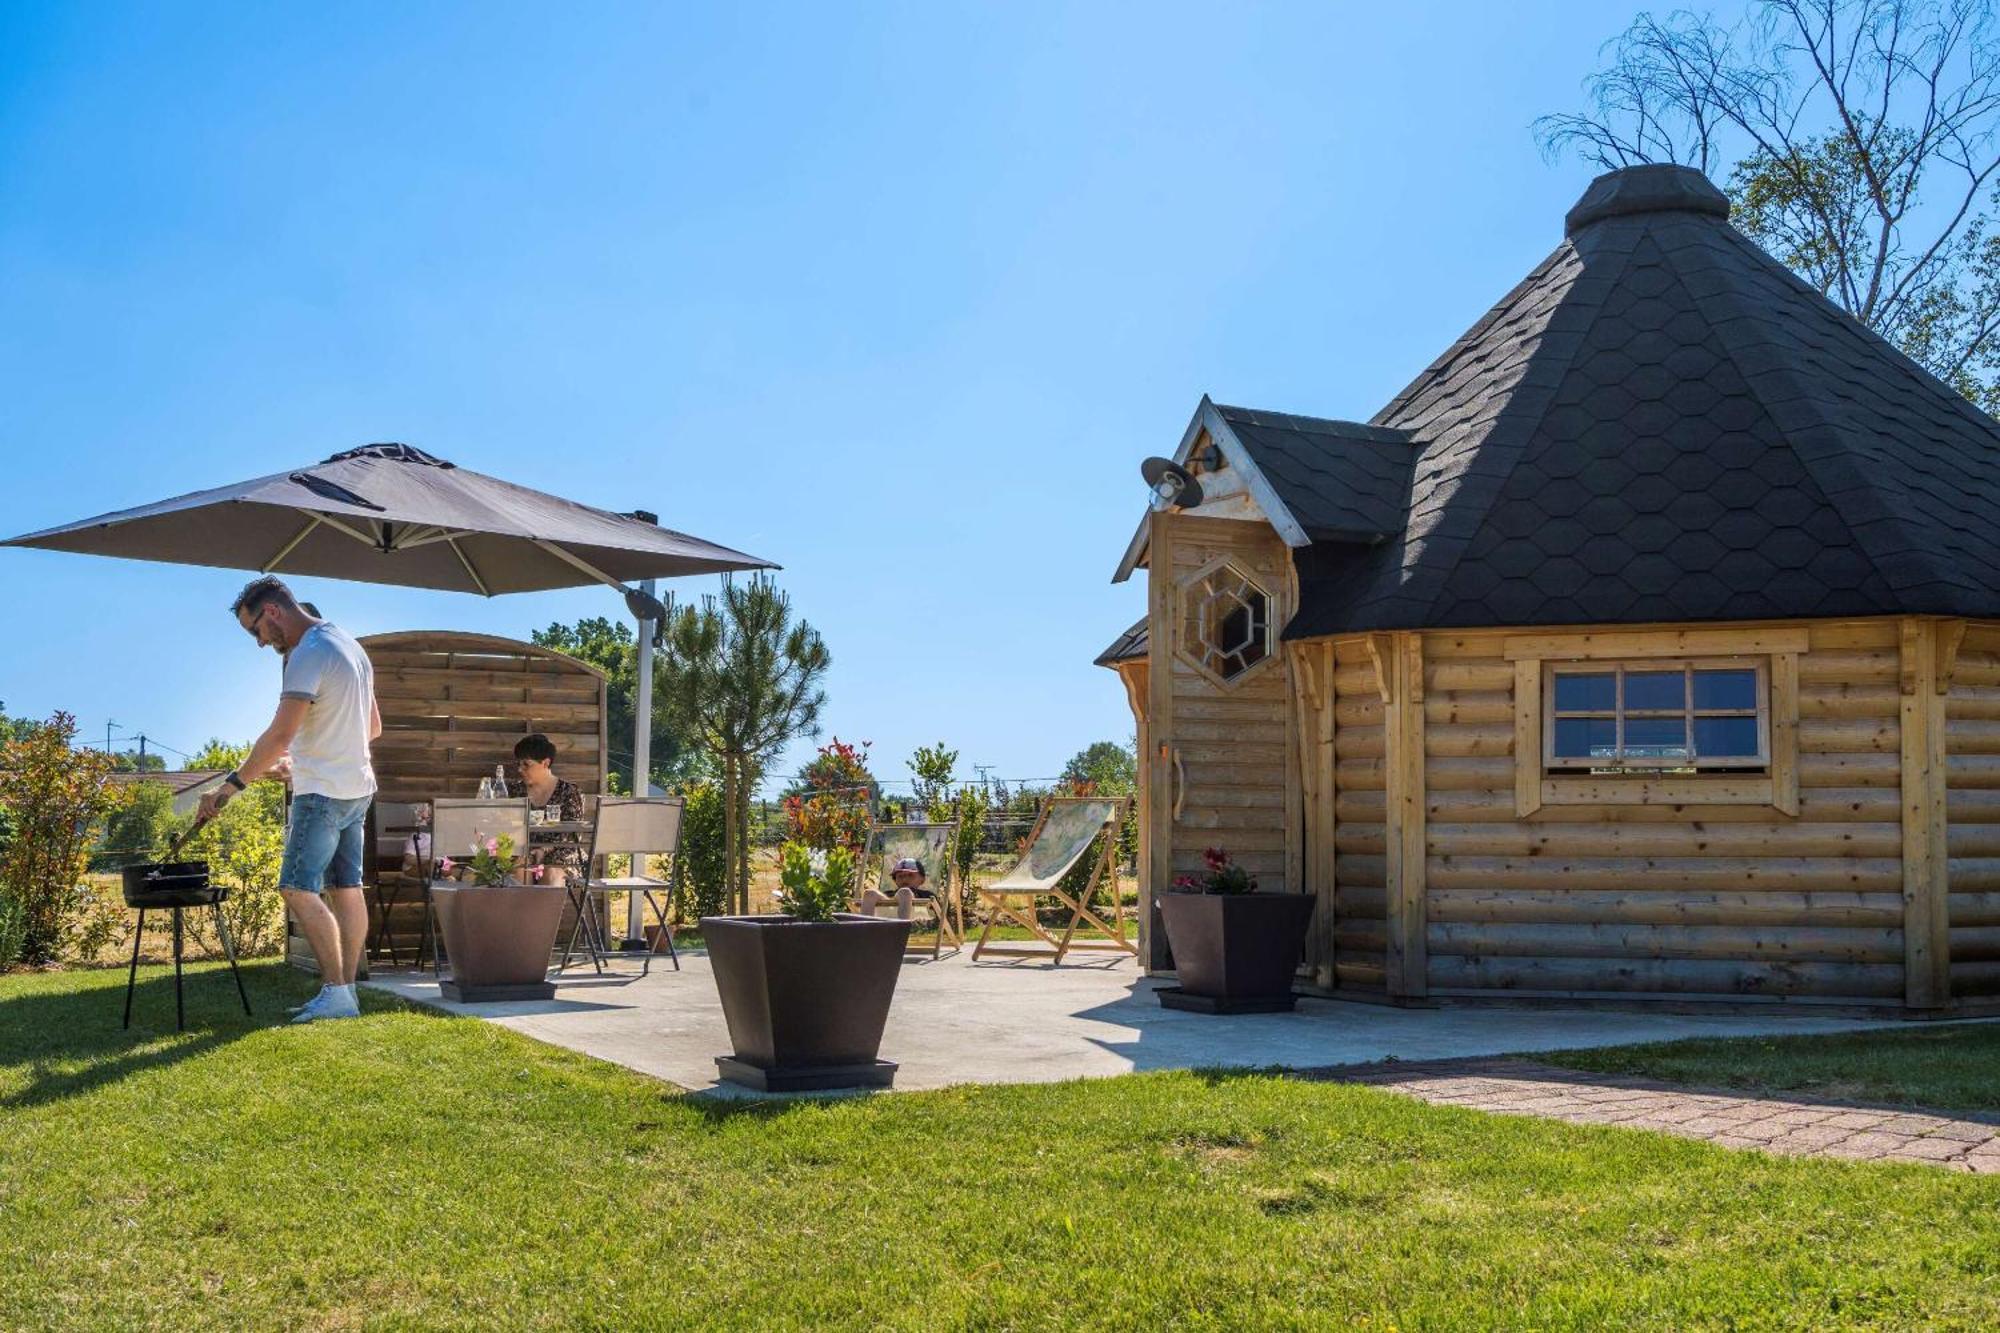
[(326, 718)]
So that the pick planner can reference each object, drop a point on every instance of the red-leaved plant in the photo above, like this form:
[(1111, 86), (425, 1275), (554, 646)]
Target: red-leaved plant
[(1223, 876)]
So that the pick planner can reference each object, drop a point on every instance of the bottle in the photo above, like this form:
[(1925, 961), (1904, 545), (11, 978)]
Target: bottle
[(486, 789), (499, 782)]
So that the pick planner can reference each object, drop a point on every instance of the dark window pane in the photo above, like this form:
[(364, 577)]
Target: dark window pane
[(1654, 737), (1725, 689), (1585, 694), (1725, 737), (1586, 737), (1655, 689)]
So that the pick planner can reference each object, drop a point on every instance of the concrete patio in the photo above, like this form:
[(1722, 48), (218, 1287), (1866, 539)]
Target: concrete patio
[(957, 1021)]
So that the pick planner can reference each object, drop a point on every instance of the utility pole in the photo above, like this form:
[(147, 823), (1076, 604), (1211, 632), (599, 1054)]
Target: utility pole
[(108, 725), (982, 770), (142, 752)]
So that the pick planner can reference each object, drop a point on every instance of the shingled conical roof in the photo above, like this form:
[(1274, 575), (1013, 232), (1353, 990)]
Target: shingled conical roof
[(1663, 423)]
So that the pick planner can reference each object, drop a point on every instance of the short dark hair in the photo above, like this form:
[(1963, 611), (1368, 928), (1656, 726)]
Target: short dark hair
[(258, 593), (536, 747)]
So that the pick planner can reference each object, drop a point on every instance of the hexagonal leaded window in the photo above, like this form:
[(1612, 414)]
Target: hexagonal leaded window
[(1225, 621)]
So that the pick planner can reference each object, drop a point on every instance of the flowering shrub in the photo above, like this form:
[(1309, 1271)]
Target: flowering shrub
[(1223, 876), (815, 882)]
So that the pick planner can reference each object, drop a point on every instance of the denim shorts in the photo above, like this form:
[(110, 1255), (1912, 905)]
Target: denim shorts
[(323, 841)]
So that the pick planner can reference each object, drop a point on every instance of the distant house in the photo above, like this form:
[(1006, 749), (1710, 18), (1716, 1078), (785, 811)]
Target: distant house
[(188, 786), (1647, 646)]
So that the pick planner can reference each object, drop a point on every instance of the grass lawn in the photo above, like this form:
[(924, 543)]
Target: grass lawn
[(1949, 1067), (411, 1169)]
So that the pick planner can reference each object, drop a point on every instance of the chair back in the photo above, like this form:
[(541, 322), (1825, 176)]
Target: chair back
[(460, 825), (637, 826), (928, 843), (390, 824), (1067, 827)]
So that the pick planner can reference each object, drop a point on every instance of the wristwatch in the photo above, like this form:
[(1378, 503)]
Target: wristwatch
[(235, 780)]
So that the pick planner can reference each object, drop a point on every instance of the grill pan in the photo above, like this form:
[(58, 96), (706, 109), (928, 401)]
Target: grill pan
[(172, 883)]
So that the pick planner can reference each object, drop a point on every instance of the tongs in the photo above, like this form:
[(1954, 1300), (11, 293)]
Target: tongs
[(174, 847)]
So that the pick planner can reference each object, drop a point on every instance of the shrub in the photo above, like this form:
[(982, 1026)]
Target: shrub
[(833, 807), (245, 848), (59, 800), (144, 824), (702, 887), (13, 928)]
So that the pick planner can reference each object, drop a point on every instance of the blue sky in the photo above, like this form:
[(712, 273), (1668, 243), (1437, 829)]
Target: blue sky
[(895, 295)]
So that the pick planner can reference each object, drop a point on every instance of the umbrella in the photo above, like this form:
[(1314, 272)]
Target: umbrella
[(390, 513)]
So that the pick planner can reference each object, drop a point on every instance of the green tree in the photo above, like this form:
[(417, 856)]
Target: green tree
[(612, 647), (702, 887), (931, 770), (219, 754), (13, 728), (1859, 143), (740, 679), (1109, 769), (142, 824), (131, 761)]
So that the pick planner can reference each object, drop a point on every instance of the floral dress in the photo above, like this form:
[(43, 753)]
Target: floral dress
[(562, 850)]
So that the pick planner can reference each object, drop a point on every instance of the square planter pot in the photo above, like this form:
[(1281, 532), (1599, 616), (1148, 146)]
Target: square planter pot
[(806, 1001), (1235, 953), (498, 939)]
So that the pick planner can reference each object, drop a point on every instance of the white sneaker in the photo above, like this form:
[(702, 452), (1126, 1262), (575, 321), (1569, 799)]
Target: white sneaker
[(318, 998), (333, 1002)]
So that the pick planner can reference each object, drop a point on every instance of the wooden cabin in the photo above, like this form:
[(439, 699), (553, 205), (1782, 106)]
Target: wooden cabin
[(1646, 647), (452, 707)]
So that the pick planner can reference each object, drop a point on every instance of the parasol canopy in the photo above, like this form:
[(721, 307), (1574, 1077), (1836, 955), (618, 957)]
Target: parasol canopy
[(390, 513)]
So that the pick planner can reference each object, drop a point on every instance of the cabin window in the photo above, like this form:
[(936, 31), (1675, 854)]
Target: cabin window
[(1658, 717), (1226, 622)]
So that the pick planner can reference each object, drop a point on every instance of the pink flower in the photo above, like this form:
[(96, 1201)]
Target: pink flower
[(446, 865), (535, 874), (493, 846)]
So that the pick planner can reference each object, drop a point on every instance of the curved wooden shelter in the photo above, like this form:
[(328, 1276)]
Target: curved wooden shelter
[(453, 704), (1646, 647)]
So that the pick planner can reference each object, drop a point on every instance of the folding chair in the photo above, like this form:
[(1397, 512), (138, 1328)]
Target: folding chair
[(1063, 832), (931, 844), (637, 827), (390, 825), (459, 826)]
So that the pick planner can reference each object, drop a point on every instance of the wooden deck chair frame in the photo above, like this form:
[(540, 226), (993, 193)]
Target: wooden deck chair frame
[(950, 923), (1081, 914)]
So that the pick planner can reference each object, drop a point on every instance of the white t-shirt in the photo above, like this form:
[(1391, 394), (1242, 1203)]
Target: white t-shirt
[(330, 753)]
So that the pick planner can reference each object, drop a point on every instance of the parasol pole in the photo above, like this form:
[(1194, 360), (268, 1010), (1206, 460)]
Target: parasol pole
[(642, 757)]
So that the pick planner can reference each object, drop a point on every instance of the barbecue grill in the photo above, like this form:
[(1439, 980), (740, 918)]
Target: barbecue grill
[(175, 886)]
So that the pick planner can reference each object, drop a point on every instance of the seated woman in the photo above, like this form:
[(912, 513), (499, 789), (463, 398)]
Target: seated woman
[(535, 778), (908, 877)]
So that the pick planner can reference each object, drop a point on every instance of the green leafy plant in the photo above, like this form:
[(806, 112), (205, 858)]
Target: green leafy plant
[(816, 882), (245, 849), (493, 862), (13, 929), (59, 799), (931, 770), (703, 884)]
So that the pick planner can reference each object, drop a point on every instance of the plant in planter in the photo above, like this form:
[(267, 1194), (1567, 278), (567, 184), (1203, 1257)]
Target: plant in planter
[(806, 993), (1235, 949), (499, 928)]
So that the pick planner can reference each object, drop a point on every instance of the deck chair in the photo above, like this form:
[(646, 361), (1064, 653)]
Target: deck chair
[(458, 826), (1063, 832), (931, 844), (638, 827)]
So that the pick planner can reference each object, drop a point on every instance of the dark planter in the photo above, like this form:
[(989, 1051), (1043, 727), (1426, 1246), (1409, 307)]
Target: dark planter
[(1235, 953), (806, 1001), (498, 939)]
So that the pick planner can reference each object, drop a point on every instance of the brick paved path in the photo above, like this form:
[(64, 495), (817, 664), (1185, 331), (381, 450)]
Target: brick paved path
[(1731, 1119)]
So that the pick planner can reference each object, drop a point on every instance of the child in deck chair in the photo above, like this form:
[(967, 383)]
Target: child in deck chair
[(908, 877)]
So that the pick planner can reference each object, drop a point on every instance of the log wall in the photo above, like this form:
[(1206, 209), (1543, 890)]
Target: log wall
[(1972, 767)]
